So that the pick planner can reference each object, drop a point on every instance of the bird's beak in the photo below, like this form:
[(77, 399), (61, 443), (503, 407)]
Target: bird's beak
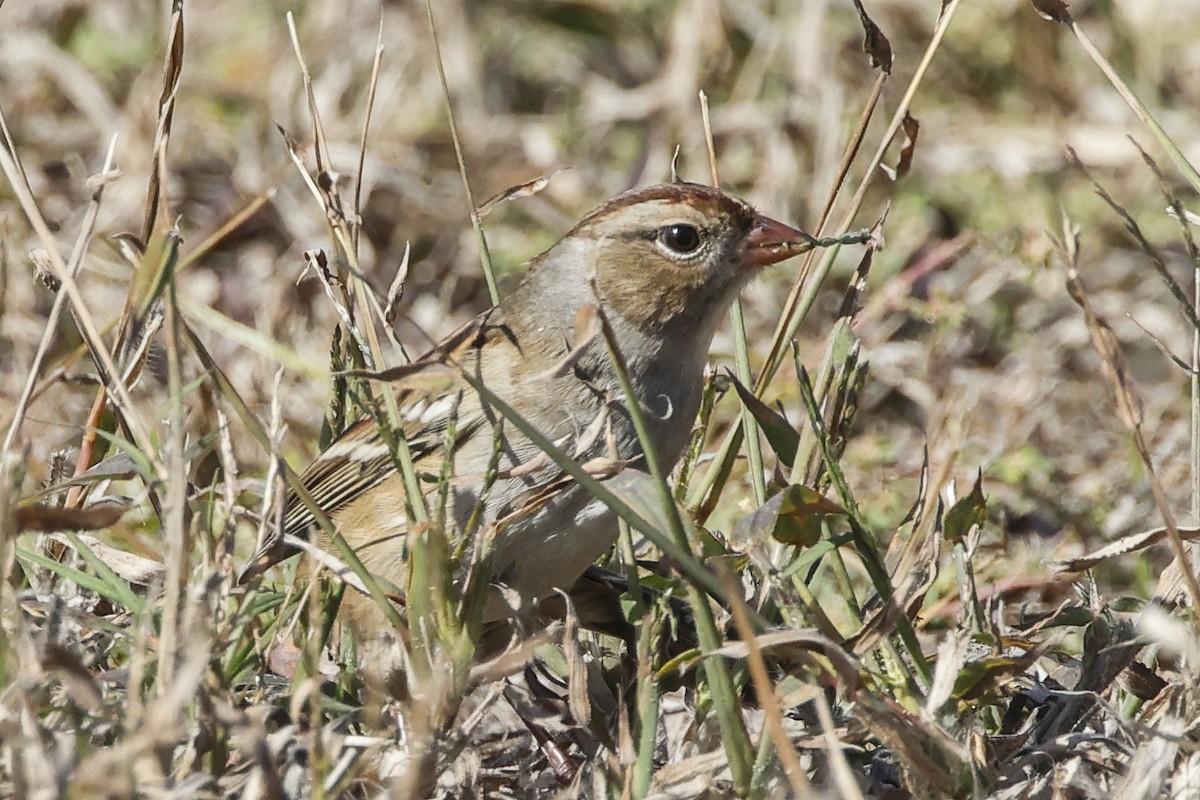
[(770, 242)]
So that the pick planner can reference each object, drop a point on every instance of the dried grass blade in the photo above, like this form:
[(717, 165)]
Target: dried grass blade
[(1129, 410), (172, 70), (373, 86), (485, 256), (1057, 11), (768, 698)]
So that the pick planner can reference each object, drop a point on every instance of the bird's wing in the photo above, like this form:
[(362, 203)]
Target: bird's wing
[(430, 392)]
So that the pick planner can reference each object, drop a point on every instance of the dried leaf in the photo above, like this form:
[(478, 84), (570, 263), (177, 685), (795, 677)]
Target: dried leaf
[(577, 675), (875, 44), (952, 654), (47, 518), (852, 303), (129, 566), (44, 269), (912, 130), (842, 662), (913, 577), (130, 248), (527, 189), (121, 466), (1122, 546), (1053, 10), (1143, 682), (396, 290), (172, 70), (283, 659)]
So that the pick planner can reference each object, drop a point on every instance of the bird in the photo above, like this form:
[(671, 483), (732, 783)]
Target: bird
[(661, 265)]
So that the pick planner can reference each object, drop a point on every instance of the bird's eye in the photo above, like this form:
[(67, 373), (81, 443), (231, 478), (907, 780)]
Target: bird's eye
[(680, 238)]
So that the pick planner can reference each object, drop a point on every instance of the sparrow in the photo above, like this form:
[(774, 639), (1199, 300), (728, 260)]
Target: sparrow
[(662, 264)]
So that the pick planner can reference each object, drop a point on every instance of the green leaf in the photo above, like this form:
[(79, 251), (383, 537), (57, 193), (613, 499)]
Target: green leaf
[(794, 516), (783, 438), (966, 513), (110, 589)]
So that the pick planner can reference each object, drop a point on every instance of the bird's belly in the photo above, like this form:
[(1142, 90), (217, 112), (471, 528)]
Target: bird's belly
[(549, 549)]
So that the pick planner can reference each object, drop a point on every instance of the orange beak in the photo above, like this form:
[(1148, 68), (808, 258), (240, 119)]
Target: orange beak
[(771, 242)]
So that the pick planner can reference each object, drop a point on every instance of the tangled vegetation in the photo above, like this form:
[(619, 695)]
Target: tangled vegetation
[(940, 490)]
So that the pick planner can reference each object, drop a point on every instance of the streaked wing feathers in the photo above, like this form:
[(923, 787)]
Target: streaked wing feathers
[(429, 392)]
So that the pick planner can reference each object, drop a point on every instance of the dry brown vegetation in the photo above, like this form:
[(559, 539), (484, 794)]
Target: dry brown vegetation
[(930, 637)]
